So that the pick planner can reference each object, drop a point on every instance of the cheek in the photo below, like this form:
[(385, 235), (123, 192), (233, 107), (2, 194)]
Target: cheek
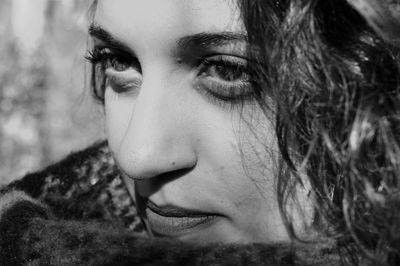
[(258, 145), (259, 160), (118, 112)]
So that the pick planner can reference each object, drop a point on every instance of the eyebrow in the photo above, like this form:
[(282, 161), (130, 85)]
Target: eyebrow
[(203, 40), (99, 33)]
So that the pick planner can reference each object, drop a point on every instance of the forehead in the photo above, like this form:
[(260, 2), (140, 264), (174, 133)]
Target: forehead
[(163, 20)]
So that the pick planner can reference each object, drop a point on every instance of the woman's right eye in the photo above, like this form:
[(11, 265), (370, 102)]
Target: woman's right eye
[(118, 69), (115, 60)]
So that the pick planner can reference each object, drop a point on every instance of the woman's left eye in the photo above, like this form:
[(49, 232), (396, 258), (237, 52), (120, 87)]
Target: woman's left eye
[(225, 77)]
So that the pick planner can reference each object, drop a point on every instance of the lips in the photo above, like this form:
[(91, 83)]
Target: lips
[(173, 221)]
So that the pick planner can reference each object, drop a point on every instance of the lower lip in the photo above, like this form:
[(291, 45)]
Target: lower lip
[(176, 226)]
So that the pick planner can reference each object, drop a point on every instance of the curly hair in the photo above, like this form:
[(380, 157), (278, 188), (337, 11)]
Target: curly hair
[(333, 68)]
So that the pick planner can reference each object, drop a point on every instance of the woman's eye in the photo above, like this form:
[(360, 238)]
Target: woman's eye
[(118, 69), (225, 77), (225, 71), (118, 64), (116, 60)]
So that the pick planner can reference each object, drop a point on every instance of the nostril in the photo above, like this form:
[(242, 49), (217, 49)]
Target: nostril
[(149, 186), (149, 162), (171, 175)]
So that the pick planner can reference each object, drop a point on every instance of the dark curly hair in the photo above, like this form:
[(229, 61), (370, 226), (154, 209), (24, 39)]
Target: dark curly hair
[(333, 69)]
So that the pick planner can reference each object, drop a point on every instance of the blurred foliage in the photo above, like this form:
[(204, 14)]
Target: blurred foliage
[(46, 110)]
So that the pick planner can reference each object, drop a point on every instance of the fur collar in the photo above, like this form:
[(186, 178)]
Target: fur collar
[(78, 212)]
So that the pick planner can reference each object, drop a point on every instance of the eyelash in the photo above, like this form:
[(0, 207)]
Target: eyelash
[(104, 56), (209, 80)]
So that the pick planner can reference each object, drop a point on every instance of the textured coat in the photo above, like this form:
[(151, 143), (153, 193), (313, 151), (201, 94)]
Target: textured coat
[(78, 212)]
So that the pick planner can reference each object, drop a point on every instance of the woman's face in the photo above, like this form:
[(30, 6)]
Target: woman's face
[(181, 122)]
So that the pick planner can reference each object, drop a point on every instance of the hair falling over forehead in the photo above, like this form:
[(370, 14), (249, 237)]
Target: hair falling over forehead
[(333, 68)]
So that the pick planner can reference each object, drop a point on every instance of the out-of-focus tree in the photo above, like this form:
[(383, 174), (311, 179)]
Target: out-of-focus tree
[(45, 111)]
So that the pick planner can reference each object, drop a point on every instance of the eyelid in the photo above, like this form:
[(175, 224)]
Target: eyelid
[(115, 46), (124, 81), (223, 57), (195, 56), (224, 61), (124, 77), (226, 58), (229, 49)]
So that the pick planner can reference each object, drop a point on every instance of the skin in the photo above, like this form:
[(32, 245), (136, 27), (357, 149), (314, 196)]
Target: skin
[(177, 144)]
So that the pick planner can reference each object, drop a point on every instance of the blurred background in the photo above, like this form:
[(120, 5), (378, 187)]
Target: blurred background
[(46, 110)]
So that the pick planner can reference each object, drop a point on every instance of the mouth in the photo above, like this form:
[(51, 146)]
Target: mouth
[(172, 221)]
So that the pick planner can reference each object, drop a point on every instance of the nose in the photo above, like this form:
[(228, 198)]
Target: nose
[(158, 138)]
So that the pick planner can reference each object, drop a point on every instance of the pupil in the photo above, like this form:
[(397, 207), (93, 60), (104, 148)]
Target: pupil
[(117, 65), (229, 73)]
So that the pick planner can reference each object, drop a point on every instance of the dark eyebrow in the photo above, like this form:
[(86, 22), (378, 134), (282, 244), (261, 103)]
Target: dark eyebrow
[(104, 36), (203, 40), (206, 40)]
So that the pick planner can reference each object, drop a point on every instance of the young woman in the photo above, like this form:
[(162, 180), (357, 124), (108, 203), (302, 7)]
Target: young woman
[(196, 108), (194, 147)]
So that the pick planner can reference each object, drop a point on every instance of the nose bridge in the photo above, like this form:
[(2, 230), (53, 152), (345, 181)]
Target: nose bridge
[(156, 140)]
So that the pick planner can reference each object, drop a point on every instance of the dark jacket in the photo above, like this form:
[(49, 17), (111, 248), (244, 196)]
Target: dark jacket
[(78, 212)]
